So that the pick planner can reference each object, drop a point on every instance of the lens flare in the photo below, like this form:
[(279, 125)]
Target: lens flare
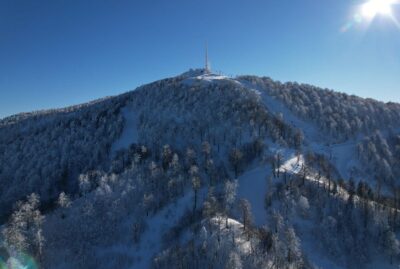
[(21, 262), (2, 264), (12, 259), (377, 7), (365, 14)]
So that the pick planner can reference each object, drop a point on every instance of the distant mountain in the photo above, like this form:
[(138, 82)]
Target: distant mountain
[(204, 171)]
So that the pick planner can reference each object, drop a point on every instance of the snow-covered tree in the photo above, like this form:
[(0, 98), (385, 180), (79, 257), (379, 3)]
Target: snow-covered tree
[(234, 261), (247, 217), (230, 188), (63, 200), (293, 247), (23, 231)]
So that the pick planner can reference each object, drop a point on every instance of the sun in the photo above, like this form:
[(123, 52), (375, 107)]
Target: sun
[(377, 7)]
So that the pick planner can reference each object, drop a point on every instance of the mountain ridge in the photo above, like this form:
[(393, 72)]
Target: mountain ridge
[(187, 74), (155, 177)]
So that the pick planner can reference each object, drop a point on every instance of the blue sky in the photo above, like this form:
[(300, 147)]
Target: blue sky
[(59, 53)]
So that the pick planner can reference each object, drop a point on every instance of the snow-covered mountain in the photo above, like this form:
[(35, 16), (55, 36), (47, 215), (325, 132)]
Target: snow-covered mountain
[(203, 171)]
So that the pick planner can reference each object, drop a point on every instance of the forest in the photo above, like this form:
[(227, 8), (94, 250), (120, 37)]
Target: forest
[(181, 191)]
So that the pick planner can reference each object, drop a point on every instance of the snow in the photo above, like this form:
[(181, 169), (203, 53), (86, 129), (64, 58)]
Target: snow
[(151, 241), (158, 224), (130, 133), (210, 77), (311, 132), (342, 155), (344, 159), (205, 78), (235, 228), (192, 73), (253, 186), (317, 257), (252, 183), (293, 165)]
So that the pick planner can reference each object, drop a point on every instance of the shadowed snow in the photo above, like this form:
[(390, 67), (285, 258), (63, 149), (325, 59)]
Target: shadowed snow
[(129, 134)]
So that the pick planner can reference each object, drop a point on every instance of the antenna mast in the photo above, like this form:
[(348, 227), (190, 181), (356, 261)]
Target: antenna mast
[(207, 68)]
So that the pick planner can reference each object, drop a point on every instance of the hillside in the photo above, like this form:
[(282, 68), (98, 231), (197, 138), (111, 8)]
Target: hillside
[(203, 171)]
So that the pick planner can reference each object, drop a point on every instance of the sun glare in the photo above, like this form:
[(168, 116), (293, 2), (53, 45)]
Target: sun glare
[(377, 7)]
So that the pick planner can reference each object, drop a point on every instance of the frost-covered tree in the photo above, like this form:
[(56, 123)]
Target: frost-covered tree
[(23, 231), (210, 205), (293, 247), (230, 188), (391, 244), (166, 156), (234, 261), (63, 200), (304, 206), (247, 217)]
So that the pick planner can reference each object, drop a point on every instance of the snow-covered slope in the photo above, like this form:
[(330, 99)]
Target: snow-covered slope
[(129, 134), (204, 171)]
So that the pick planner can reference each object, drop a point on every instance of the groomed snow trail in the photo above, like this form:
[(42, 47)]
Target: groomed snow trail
[(253, 186)]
